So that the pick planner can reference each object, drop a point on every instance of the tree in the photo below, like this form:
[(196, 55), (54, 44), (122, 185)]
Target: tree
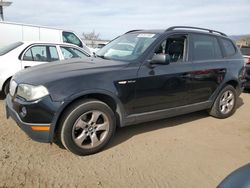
[(92, 37), (245, 41)]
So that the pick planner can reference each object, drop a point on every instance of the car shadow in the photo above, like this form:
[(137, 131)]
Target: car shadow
[(240, 102), (2, 96), (246, 91), (125, 133)]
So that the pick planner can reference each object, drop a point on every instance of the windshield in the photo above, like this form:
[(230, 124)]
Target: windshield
[(9, 47), (127, 47), (245, 51)]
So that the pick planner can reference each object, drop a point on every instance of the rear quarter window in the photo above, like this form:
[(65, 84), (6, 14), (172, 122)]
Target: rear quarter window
[(228, 46)]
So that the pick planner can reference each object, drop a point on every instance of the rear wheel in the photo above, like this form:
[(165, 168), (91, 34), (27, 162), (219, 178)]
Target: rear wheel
[(225, 103), (87, 127)]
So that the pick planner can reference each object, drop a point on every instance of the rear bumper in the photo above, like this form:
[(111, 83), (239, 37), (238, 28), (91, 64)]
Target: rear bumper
[(40, 132)]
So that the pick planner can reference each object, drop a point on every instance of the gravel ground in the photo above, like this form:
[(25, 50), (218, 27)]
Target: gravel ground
[(193, 150)]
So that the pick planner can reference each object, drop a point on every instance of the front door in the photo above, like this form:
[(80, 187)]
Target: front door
[(161, 87)]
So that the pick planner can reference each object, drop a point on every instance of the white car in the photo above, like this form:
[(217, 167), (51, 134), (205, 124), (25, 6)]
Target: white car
[(245, 51), (121, 50), (21, 55)]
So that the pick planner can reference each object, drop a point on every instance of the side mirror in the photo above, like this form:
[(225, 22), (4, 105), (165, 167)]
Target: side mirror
[(161, 59)]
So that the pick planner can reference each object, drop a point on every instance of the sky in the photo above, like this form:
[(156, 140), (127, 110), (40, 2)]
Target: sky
[(111, 18)]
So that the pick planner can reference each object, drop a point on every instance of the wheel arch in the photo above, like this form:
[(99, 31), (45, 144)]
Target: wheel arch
[(5, 82), (108, 98), (233, 83)]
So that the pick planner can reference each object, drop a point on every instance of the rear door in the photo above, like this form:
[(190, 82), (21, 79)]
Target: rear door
[(209, 67), (39, 54)]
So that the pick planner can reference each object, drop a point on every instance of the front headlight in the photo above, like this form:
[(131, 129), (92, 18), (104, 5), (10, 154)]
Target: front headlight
[(13, 86), (31, 93)]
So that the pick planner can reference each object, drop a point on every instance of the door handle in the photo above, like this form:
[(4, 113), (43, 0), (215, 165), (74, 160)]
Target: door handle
[(222, 71), (186, 76), (26, 67)]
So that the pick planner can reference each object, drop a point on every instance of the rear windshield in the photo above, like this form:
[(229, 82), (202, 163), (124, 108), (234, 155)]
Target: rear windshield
[(9, 47), (245, 51)]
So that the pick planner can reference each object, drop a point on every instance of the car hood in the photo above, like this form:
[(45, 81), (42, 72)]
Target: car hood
[(44, 73)]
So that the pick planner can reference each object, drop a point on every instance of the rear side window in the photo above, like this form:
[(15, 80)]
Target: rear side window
[(41, 53), (205, 48), (228, 47), (36, 53)]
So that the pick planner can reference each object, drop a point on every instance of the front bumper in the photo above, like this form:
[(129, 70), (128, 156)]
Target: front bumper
[(41, 132)]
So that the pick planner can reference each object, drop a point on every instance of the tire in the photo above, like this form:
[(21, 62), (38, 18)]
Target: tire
[(225, 103), (87, 127), (6, 87)]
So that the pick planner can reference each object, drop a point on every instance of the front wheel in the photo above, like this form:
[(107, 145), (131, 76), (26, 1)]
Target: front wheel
[(87, 127), (225, 103)]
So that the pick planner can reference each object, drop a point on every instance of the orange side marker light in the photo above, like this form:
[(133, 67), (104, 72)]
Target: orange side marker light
[(40, 128)]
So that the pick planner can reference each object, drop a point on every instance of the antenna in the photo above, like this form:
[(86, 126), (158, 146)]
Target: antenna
[(2, 5)]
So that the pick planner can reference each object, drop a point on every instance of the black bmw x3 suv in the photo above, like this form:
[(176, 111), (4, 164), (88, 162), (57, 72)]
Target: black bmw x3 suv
[(141, 76)]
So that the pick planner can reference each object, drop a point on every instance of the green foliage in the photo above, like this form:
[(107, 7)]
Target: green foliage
[(245, 41), (91, 36)]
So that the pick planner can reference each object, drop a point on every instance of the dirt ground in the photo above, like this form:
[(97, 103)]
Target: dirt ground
[(189, 151)]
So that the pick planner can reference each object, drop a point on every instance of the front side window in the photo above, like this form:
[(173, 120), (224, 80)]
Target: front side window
[(127, 47), (69, 53), (174, 46), (228, 47), (71, 38), (205, 48)]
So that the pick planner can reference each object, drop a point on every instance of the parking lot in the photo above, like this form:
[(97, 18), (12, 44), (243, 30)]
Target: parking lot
[(193, 150)]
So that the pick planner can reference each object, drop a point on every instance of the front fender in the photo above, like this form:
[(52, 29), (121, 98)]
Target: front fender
[(69, 100)]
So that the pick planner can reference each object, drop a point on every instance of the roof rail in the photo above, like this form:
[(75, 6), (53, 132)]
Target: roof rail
[(133, 31), (195, 28)]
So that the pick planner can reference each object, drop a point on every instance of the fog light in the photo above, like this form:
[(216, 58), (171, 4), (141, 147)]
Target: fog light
[(23, 112)]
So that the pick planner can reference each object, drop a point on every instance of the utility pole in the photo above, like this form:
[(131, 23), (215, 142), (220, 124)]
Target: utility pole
[(2, 5)]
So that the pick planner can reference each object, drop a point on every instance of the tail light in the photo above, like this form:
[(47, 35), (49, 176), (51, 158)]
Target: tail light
[(247, 60), (243, 72)]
